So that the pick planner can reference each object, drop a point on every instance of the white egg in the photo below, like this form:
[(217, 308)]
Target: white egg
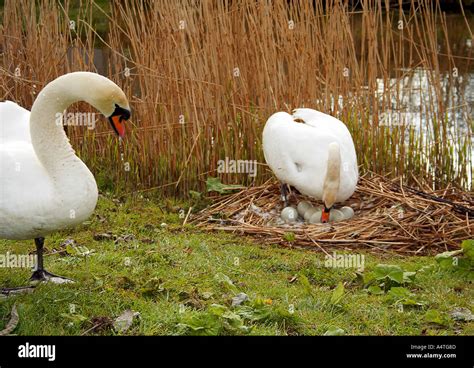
[(303, 206), (289, 214), (336, 215), (309, 212), (316, 217), (348, 212)]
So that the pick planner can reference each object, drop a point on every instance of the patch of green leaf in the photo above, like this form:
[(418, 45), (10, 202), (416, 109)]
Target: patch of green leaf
[(468, 248), (460, 261), (436, 317), (375, 290), (386, 276), (337, 294), (74, 318), (215, 185), (225, 281), (447, 259), (384, 272), (198, 202), (152, 288), (216, 320), (221, 320), (401, 295), (263, 312)]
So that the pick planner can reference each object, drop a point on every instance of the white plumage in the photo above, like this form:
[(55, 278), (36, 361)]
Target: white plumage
[(302, 149), (44, 186), (37, 198)]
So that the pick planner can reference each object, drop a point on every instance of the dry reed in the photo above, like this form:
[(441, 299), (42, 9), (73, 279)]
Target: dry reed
[(203, 77)]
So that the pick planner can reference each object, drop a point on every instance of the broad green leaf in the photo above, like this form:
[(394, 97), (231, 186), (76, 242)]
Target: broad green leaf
[(231, 315), (70, 250), (337, 293), (359, 277), (468, 248), (408, 277), (375, 289), (201, 324), (392, 272), (75, 318), (225, 280), (401, 295), (215, 185), (247, 312), (214, 321), (435, 316), (217, 310), (369, 278), (447, 255)]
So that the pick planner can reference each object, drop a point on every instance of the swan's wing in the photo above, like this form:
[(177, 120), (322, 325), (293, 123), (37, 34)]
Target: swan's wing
[(328, 125), (25, 186), (26, 191), (275, 147), (14, 123), (295, 152)]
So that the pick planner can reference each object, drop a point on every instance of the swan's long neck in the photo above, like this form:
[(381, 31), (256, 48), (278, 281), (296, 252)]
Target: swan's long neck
[(73, 191), (333, 175), (49, 140), (47, 133)]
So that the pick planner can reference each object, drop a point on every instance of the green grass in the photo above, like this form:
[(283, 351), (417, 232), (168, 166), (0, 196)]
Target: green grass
[(182, 281)]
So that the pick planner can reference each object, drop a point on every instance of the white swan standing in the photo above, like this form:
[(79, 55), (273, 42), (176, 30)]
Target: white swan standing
[(44, 186), (314, 153)]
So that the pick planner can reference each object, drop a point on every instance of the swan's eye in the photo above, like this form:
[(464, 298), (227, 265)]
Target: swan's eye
[(117, 120)]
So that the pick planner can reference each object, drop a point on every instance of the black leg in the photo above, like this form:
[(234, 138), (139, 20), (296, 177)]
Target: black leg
[(284, 194), (40, 274), (39, 242)]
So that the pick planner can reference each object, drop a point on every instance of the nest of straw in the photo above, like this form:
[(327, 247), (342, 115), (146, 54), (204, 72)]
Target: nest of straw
[(389, 217)]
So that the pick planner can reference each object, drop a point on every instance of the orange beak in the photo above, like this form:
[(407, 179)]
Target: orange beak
[(118, 118), (117, 124), (325, 215)]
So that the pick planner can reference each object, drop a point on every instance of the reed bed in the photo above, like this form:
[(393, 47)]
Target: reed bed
[(389, 217), (203, 77)]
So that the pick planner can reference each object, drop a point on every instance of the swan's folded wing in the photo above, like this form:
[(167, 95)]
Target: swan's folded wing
[(14, 123)]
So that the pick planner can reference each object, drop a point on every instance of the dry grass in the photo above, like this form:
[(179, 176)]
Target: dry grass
[(205, 76), (389, 217)]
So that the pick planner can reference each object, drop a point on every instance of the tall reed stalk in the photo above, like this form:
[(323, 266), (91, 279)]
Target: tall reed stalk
[(203, 77)]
